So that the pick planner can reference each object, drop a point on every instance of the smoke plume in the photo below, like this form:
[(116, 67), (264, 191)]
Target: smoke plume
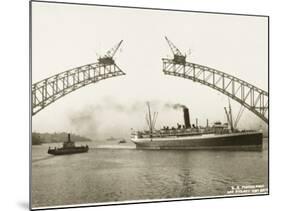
[(112, 118), (85, 122), (174, 106)]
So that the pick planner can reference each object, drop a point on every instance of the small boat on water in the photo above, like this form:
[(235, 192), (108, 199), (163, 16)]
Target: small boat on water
[(122, 141), (68, 148)]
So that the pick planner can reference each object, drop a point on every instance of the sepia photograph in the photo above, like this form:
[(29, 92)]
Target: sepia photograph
[(135, 105)]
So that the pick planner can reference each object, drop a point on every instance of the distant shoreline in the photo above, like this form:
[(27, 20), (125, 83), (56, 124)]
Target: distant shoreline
[(43, 138)]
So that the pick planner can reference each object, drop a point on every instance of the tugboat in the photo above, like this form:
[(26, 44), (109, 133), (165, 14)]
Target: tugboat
[(68, 148)]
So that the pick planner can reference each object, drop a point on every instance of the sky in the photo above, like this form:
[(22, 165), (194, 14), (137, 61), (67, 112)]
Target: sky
[(67, 36)]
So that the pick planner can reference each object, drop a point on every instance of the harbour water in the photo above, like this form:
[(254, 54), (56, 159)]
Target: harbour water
[(118, 172)]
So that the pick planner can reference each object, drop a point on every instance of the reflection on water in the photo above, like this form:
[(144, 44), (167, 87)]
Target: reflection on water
[(109, 175)]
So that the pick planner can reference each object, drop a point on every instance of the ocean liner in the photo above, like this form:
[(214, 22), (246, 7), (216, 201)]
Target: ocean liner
[(187, 136)]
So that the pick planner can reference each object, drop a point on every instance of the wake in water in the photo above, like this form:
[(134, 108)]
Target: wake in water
[(41, 159)]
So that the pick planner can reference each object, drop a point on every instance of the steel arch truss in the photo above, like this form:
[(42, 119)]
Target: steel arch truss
[(253, 98), (53, 88)]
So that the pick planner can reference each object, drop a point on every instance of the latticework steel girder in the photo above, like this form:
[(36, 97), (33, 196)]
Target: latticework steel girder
[(53, 88), (253, 98)]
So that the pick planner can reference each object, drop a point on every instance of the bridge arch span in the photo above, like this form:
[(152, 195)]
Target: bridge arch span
[(248, 95), (49, 90)]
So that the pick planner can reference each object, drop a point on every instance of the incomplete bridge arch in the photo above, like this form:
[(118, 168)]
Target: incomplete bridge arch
[(248, 95), (53, 88)]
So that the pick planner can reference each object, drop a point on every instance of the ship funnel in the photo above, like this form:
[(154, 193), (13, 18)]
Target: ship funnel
[(186, 117), (68, 136)]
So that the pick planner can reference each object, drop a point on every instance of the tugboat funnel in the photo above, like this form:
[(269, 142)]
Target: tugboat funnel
[(68, 137)]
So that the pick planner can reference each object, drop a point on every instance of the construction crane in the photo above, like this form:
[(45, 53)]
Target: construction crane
[(179, 58), (108, 58)]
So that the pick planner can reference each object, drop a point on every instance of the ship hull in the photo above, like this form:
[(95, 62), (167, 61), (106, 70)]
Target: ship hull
[(248, 141), (68, 151)]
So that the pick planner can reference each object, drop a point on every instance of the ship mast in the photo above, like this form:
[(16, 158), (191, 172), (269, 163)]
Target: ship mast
[(229, 116), (151, 121), (149, 118)]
